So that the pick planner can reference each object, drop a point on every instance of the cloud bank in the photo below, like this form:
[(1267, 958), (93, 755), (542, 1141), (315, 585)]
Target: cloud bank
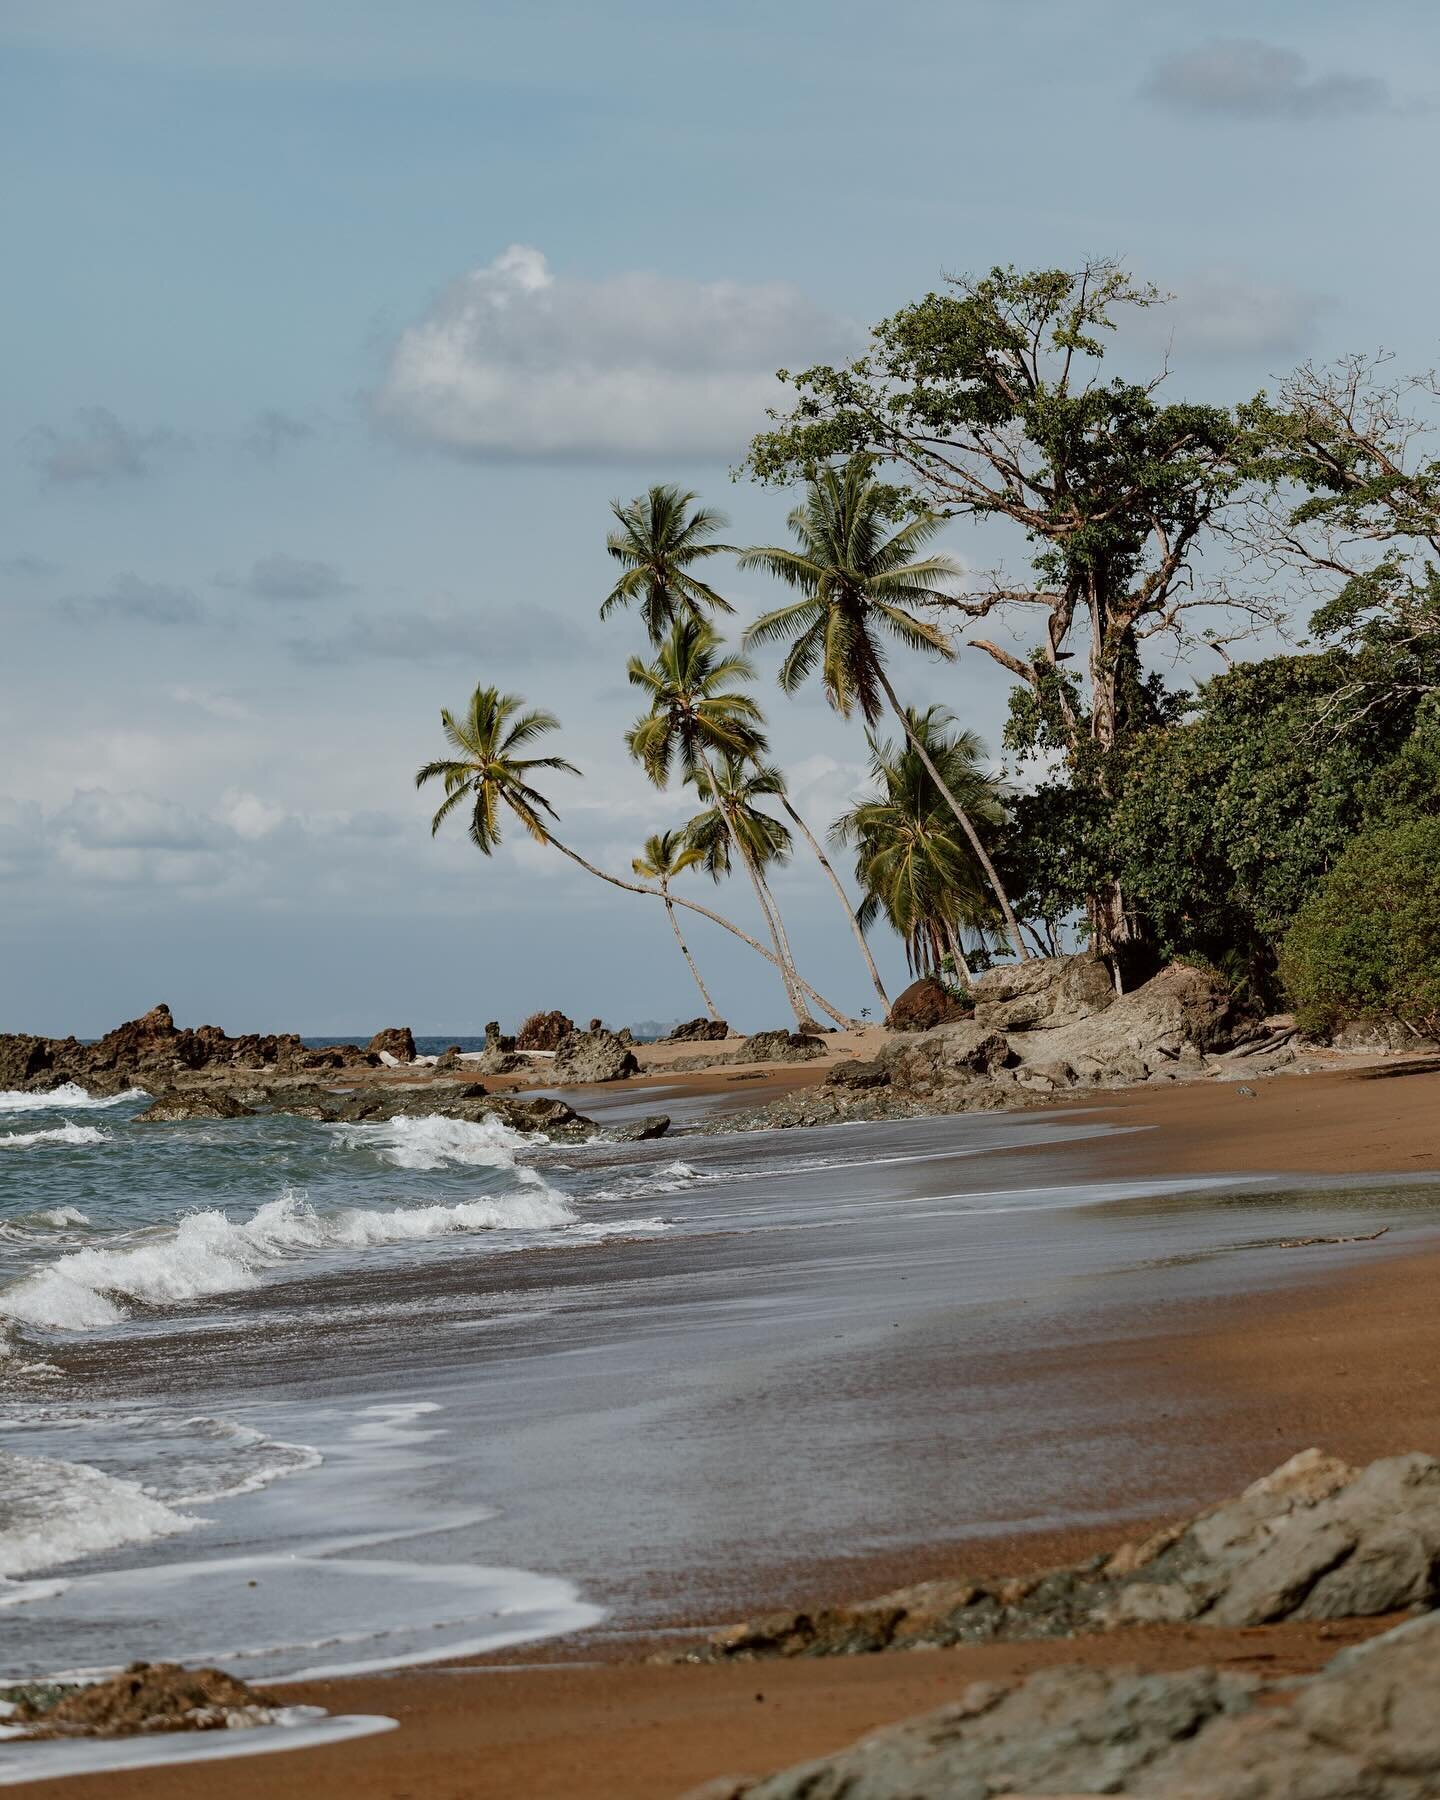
[(1245, 78), (514, 360)]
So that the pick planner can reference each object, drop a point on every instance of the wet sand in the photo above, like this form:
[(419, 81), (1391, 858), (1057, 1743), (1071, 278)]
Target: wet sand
[(1348, 1360)]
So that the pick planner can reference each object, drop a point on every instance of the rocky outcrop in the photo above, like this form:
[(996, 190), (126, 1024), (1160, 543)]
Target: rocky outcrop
[(146, 1697), (640, 1131), (950, 1054), (925, 1004), (1044, 993), (697, 1031), (1313, 1540), (212, 1104), (544, 1031), (394, 1040), (859, 1074), (590, 1056), (779, 1046), (1366, 1728)]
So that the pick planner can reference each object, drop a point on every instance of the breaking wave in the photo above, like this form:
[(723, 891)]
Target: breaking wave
[(53, 1512), (68, 1133), (208, 1253), (435, 1142), (67, 1098)]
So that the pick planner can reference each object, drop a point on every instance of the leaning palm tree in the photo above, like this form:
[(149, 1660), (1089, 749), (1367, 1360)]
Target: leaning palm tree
[(659, 538), (698, 712), (665, 856), (858, 584), (487, 774), (917, 869)]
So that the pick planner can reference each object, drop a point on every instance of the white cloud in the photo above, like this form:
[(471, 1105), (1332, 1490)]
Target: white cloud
[(97, 819), (1219, 312), (1245, 78), (217, 706), (514, 360), (248, 816)]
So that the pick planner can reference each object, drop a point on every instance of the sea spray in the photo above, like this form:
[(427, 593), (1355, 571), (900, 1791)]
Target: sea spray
[(67, 1098)]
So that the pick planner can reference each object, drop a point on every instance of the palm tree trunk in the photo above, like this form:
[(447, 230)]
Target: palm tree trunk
[(824, 862), (788, 973), (690, 960), (961, 816), (634, 887), (953, 937), (789, 954)]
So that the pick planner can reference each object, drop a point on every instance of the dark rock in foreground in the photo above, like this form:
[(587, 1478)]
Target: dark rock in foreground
[(212, 1103), (925, 1004), (698, 1031), (544, 1031), (396, 1041), (1366, 1728), (1313, 1540), (146, 1697), (780, 1046)]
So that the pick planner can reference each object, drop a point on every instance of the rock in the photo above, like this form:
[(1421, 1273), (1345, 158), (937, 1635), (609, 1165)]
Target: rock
[(639, 1131), (22, 1058), (925, 1004), (587, 1056), (1043, 993), (146, 1697), (780, 1046), (858, 1074), (1045, 1077), (396, 1041), (449, 1058), (697, 1031), (544, 1031), (500, 1062), (495, 1043), (950, 1053), (211, 1104), (1365, 1728)]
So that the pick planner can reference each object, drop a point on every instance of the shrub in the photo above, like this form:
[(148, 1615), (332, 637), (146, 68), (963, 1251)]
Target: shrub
[(1366, 943)]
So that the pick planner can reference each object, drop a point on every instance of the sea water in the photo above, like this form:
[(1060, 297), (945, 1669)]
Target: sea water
[(301, 1398)]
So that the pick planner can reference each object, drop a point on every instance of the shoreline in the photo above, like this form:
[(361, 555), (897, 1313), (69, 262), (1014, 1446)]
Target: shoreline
[(1347, 1357)]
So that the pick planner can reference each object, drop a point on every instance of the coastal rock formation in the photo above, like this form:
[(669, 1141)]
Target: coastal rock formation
[(697, 1031), (779, 1046), (1313, 1540), (925, 1004), (146, 1697), (1043, 993), (544, 1031), (1365, 1728), (212, 1104), (595, 1055), (859, 1074), (394, 1040)]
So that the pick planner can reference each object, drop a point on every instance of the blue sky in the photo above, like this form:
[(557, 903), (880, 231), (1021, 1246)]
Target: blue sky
[(301, 445)]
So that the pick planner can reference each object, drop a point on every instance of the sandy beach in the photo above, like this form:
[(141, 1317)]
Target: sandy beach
[(1330, 1345)]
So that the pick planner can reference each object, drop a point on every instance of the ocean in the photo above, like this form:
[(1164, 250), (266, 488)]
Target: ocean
[(298, 1398)]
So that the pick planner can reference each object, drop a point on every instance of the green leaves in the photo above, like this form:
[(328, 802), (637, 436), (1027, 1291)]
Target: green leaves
[(696, 708), (487, 773), (658, 540)]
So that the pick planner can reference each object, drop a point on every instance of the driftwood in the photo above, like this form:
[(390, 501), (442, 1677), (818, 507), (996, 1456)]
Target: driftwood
[(1366, 1237)]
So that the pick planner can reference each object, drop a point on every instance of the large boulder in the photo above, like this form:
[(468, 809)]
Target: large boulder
[(925, 1004), (697, 1031), (930, 1061), (21, 1059), (780, 1046), (1169, 1022), (544, 1031), (1043, 993), (212, 1103), (587, 1056), (396, 1041)]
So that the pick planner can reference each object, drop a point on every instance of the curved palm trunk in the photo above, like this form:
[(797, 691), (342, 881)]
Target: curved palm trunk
[(961, 816), (685, 952), (825, 864), (953, 937), (807, 1024), (788, 974), (634, 887)]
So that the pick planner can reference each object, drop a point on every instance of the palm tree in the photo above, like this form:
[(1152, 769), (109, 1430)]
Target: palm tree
[(659, 538), (696, 714), (488, 775), (914, 865), (667, 855), (856, 584)]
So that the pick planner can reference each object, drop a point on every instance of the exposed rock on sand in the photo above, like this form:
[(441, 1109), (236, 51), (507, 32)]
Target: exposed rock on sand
[(594, 1055), (1313, 1540), (698, 1031), (146, 1697), (925, 1004), (779, 1046), (1366, 1728), (544, 1031)]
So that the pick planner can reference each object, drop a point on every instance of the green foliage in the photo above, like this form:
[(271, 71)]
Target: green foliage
[(731, 789), (487, 773), (1367, 943), (697, 708), (660, 537)]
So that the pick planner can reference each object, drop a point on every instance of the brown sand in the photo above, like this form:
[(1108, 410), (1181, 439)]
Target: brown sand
[(1352, 1363)]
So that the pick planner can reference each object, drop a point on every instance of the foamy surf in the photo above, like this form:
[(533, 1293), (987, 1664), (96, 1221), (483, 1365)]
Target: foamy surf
[(435, 1142), (54, 1512), (207, 1253), (69, 1097), (68, 1133)]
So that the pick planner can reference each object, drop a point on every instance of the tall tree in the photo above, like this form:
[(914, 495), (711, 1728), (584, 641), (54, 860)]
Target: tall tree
[(860, 581), (915, 867), (661, 535), (698, 711), (988, 401), (665, 856), (487, 774)]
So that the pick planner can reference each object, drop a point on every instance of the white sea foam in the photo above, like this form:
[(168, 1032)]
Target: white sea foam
[(68, 1133), (53, 1512), (208, 1253), (669, 1178), (67, 1098), (433, 1141)]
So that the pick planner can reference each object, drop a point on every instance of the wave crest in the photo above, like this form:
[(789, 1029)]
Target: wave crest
[(69, 1097), (68, 1133)]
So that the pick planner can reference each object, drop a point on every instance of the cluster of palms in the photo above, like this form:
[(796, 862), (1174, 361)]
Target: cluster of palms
[(919, 856)]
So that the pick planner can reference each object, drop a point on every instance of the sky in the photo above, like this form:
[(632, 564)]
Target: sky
[(333, 328)]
